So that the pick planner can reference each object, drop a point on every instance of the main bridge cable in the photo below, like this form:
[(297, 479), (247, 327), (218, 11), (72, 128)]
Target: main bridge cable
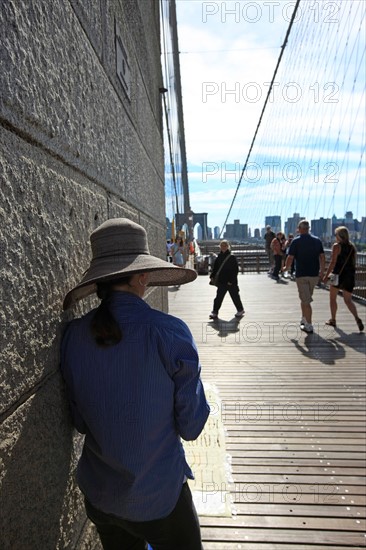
[(262, 113), (167, 111), (172, 167)]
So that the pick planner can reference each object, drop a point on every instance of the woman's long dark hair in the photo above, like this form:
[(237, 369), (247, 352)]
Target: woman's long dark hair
[(104, 327)]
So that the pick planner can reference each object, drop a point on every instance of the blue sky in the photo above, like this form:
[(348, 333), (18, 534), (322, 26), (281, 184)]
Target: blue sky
[(308, 153)]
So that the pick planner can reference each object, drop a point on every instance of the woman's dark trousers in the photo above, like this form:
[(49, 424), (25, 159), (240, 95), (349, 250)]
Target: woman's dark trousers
[(233, 290)]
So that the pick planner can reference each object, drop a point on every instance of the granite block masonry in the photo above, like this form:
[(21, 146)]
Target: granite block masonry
[(77, 147)]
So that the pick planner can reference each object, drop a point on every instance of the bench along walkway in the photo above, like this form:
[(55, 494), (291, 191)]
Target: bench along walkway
[(293, 407)]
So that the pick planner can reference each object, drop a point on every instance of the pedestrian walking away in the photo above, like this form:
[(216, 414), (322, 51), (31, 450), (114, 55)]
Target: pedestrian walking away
[(177, 252), (132, 375), (343, 264), (278, 249), (169, 245), (288, 242), (308, 253), (268, 238), (224, 275)]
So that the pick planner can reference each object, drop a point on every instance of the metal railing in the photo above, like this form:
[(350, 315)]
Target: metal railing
[(255, 260)]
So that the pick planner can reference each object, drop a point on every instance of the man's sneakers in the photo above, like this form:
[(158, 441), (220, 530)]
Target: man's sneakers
[(213, 315), (306, 327)]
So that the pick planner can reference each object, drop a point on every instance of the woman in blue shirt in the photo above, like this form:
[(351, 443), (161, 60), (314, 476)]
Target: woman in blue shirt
[(177, 253), (133, 378)]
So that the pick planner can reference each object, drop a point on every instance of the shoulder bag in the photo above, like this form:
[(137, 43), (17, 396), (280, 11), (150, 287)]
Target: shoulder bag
[(215, 280)]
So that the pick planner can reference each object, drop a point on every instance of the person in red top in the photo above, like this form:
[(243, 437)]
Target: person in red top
[(278, 248)]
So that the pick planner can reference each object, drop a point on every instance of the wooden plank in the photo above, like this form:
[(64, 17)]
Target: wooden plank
[(329, 493), (328, 478), (244, 545), (295, 470), (299, 455), (268, 496), (272, 470), (287, 522), (289, 536), (329, 443), (300, 509), (285, 462)]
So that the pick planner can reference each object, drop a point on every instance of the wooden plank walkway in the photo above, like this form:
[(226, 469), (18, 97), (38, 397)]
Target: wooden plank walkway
[(293, 406)]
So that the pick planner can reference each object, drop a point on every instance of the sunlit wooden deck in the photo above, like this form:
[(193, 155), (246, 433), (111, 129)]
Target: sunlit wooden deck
[(293, 406)]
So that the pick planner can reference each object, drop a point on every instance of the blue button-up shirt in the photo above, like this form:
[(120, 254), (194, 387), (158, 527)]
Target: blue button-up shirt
[(134, 401)]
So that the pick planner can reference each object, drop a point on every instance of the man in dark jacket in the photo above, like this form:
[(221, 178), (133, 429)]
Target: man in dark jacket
[(268, 237), (225, 276)]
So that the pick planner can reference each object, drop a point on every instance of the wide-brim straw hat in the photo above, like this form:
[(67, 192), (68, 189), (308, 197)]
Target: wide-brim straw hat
[(120, 248)]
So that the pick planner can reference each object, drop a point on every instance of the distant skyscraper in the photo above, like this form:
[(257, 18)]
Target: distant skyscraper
[(216, 232), (322, 228), (292, 223), (236, 231), (337, 222), (274, 222), (349, 222), (363, 230)]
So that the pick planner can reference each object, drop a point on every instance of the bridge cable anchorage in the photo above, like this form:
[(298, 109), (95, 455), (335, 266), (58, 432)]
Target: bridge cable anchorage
[(262, 113)]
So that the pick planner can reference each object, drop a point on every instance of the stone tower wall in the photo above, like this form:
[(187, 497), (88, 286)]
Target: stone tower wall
[(78, 145)]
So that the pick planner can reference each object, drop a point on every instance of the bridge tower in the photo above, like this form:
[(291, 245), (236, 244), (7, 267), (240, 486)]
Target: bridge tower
[(187, 217)]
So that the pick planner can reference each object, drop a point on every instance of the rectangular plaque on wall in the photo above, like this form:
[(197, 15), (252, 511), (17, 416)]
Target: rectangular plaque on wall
[(122, 64)]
